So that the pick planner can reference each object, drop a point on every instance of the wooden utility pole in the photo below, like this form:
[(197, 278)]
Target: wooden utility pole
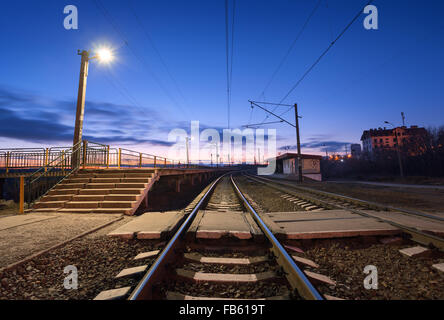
[(298, 139), (80, 108)]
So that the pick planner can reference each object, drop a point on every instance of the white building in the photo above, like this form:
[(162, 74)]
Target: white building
[(311, 165)]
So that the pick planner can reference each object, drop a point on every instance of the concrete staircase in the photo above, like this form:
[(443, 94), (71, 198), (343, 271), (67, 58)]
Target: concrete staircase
[(99, 191)]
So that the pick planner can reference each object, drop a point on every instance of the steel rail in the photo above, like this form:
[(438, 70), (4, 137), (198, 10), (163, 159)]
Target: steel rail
[(294, 275), (351, 199), (139, 293), (417, 235)]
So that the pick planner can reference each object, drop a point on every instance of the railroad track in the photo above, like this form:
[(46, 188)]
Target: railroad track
[(192, 269), (314, 200)]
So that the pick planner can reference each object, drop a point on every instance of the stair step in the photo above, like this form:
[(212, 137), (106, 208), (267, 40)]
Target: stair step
[(70, 186), (135, 191), (82, 205), (108, 175), (136, 180), (49, 204), (62, 197), (122, 197), (100, 185), (139, 175), (113, 210), (78, 180), (56, 192), (95, 191), (76, 210), (44, 210), (116, 204), (89, 197), (106, 180), (131, 185), (115, 170)]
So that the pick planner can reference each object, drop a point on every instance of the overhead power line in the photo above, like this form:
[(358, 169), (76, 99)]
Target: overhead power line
[(325, 52), (151, 42), (229, 56), (320, 57), (281, 63), (110, 19)]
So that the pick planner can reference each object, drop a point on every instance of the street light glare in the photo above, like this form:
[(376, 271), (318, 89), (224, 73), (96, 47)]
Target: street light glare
[(104, 55)]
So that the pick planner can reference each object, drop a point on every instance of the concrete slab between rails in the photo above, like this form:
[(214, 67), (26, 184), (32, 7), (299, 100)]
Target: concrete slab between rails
[(196, 257), (420, 223), (439, 266), (180, 296), (416, 251), (325, 224), (20, 220), (113, 294), (150, 225), (225, 277), (216, 225)]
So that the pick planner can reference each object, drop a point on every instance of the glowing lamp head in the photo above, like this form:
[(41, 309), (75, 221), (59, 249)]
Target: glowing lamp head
[(104, 55)]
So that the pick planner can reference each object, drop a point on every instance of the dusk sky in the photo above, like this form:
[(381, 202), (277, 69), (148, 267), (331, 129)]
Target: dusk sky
[(367, 77)]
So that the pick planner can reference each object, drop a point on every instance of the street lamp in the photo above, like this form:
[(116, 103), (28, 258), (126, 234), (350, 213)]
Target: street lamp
[(401, 171), (103, 55)]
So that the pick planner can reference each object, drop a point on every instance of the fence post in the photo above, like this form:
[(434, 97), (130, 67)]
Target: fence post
[(85, 146), (107, 157), (7, 162), (140, 160), (165, 163), (120, 158), (154, 161), (63, 161), (46, 159), (22, 195)]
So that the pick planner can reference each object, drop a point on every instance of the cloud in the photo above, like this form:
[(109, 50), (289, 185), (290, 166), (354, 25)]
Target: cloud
[(37, 119), (321, 145)]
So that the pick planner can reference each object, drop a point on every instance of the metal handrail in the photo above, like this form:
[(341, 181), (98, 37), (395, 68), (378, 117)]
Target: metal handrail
[(50, 166), (24, 149)]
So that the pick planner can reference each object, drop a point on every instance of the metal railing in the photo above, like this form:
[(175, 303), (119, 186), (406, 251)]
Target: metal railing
[(43, 168), (93, 155), (61, 166)]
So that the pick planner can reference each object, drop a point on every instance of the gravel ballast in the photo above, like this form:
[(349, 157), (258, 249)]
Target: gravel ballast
[(98, 260)]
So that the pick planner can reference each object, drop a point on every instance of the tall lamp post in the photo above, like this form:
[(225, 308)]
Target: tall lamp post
[(103, 55), (401, 171)]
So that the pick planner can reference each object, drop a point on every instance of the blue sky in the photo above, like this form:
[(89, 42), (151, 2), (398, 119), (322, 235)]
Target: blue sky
[(369, 76)]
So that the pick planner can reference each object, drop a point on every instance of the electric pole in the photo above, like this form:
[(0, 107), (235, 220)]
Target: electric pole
[(78, 129), (296, 126), (298, 142), (398, 151)]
